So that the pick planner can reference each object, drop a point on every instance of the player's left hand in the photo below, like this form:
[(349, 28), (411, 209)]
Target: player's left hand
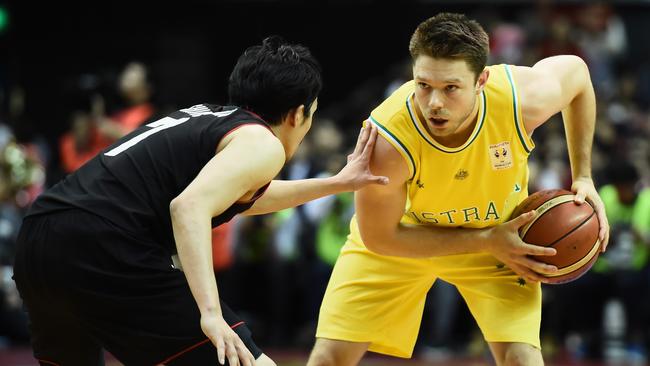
[(356, 174), (584, 189), (228, 344)]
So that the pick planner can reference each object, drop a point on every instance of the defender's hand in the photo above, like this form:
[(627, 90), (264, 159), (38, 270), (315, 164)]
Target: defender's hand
[(505, 245), (356, 174), (227, 342)]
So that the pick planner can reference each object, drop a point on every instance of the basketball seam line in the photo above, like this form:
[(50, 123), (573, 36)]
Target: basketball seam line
[(542, 215), (581, 263), (572, 230)]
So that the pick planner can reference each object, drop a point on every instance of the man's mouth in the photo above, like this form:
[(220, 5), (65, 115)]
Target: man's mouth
[(438, 121)]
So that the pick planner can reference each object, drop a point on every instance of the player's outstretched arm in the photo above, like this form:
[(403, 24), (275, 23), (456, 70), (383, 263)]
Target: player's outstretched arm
[(380, 208), (562, 84), (247, 159), (283, 194)]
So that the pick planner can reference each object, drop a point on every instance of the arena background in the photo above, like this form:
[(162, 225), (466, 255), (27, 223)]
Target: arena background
[(61, 64)]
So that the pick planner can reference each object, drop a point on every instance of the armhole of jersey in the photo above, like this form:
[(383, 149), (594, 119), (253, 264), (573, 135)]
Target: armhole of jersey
[(526, 142), (260, 192), (248, 123), (397, 144), (240, 126)]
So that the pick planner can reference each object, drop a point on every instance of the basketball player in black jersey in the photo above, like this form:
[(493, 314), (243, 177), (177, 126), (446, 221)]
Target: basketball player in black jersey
[(94, 261)]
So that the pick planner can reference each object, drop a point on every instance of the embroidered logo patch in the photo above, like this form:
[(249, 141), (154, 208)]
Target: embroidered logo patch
[(501, 156), (462, 174)]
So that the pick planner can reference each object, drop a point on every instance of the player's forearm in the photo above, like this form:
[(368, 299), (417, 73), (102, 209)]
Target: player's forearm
[(579, 121), (419, 241), (192, 233), (283, 194)]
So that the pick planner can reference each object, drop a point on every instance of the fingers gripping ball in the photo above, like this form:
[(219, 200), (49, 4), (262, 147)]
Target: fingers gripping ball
[(562, 224)]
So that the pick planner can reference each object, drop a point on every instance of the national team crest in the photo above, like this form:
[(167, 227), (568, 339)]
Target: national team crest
[(501, 156)]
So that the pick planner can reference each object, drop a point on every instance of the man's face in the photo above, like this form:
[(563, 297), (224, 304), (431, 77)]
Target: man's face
[(445, 93), (301, 129)]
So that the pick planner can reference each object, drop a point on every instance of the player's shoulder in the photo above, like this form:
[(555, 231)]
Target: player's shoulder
[(538, 89), (531, 80), (528, 85), (261, 140), (256, 146), (255, 133), (508, 76)]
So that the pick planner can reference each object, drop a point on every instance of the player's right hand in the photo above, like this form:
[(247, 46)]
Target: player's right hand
[(356, 174), (505, 245), (227, 342)]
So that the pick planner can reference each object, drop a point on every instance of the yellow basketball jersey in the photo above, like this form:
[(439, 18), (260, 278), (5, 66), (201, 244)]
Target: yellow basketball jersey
[(475, 185)]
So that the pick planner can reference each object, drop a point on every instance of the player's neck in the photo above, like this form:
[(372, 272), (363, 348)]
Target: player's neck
[(462, 133), (280, 131)]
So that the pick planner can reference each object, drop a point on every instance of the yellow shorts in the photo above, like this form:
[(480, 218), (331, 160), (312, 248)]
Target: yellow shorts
[(379, 299)]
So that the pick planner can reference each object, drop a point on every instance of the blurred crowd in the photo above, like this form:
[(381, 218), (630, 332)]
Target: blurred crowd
[(274, 268)]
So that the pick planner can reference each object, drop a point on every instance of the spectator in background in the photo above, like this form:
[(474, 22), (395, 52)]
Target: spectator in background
[(603, 39), (91, 130), (507, 43), (21, 176), (13, 322), (290, 254), (136, 91), (297, 240), (626, 267), (222, 255), (330, 217), (81, 143), (615, 323), (5, 135), (560, 39)]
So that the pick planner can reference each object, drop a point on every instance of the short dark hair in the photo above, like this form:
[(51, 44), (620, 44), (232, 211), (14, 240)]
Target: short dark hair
[(453, 36), (273, 78)]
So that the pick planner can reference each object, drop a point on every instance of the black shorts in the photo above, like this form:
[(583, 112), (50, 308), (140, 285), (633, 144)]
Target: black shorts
[(88, 286)]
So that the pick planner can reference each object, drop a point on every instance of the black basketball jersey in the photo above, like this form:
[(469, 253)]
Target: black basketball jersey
[(132, 182)]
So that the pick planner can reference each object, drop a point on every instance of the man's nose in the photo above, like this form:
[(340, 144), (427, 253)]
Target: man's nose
[(435, 101)]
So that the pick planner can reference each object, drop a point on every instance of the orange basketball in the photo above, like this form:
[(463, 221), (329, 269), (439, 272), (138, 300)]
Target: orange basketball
[(560, 223)]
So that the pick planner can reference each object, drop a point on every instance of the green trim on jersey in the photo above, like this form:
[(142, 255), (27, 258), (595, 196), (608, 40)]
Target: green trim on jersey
[(515, 103), (432, 142), (391, 136)]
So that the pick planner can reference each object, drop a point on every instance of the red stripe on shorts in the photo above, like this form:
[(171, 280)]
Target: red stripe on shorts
[(189, 348), (47, 362)]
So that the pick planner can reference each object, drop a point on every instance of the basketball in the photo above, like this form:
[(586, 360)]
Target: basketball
[(560, 223)]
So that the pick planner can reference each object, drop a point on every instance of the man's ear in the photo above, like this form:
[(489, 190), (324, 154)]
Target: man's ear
[(296, 116), (482, 80)]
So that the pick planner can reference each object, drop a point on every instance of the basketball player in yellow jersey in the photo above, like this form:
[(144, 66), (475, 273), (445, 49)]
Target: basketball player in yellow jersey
[(454, 145)]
